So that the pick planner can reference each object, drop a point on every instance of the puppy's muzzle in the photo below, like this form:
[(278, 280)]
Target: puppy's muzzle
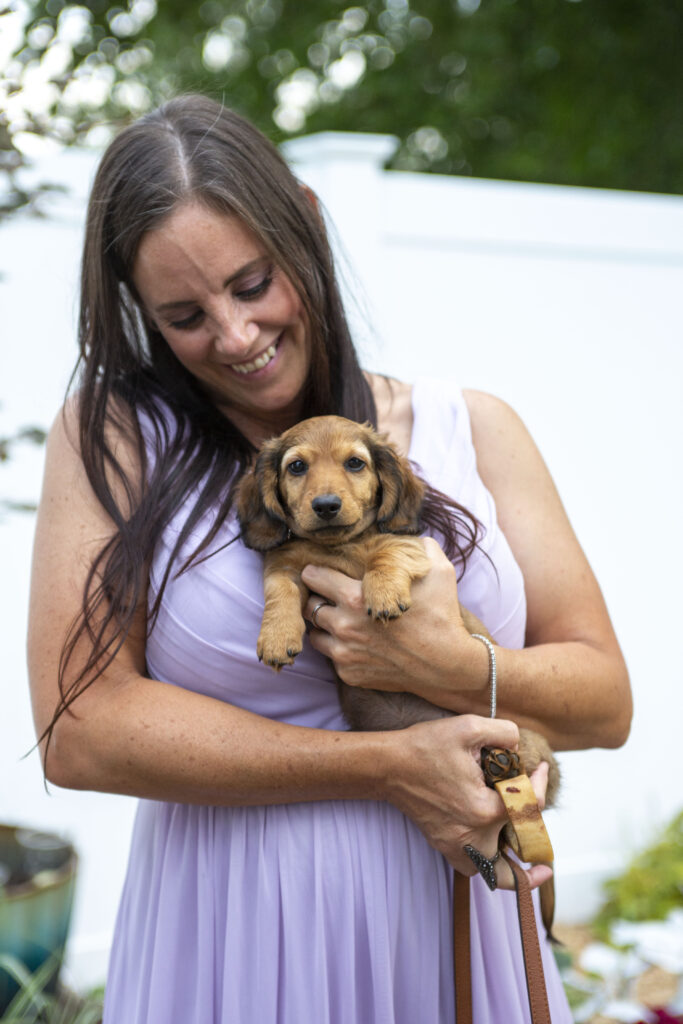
[(326, 506)]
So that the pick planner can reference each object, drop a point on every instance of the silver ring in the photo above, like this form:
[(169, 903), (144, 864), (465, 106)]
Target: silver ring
[(320, 604), (484, 866)]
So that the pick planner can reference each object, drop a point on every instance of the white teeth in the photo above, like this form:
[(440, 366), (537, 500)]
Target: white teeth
[(257, 364)]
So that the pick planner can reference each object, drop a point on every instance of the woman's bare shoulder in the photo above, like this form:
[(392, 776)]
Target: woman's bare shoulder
[(488, 411), (65, 476), (119, 422), (503, 445), (394, 402)]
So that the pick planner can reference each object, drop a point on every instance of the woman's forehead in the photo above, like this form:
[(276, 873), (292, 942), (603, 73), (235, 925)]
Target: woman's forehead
[(195, 222), (194, 246)]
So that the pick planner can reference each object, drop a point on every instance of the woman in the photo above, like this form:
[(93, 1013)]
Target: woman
[(282, 868)]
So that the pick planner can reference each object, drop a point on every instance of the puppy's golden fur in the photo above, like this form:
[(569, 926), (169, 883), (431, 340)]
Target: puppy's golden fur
[(335, 493), (329, 492)]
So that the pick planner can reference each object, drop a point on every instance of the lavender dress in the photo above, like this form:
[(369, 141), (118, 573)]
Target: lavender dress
[(335, 912)]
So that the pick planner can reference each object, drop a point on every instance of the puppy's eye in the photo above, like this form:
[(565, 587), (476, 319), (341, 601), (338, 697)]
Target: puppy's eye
[(354, 464), (297, 468)]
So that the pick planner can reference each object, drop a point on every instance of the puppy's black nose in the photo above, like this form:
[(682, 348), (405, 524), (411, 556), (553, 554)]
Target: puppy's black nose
[(326, 506)]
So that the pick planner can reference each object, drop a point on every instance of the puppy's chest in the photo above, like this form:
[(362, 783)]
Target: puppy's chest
[(351, 558)]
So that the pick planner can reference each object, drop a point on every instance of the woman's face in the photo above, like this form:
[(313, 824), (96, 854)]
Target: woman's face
[(229, 314)]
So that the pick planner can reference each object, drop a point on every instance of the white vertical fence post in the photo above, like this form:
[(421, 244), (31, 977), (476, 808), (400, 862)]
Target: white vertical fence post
[(345, 170)]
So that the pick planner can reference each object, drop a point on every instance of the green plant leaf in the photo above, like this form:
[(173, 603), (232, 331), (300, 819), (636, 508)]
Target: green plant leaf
[(31, 1000), (651, 886), (33, 1005)]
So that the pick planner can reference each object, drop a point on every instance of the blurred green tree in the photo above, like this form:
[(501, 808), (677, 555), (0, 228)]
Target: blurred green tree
[(577, 92)]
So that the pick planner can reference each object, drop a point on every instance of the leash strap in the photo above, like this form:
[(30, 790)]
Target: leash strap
[(461, 949), (532, 839), (533, 964)]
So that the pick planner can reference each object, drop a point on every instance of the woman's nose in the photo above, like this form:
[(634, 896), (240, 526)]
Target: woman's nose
[(235, 331)]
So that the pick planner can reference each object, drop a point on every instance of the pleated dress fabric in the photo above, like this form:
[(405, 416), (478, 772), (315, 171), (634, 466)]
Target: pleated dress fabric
[(333, 912)]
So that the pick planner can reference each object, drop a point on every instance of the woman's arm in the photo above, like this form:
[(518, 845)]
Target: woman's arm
[(572, 658), (132, 734), (135, 735), (570, 682)]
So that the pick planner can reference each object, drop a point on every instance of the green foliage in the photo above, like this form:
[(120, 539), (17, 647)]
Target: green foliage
[(35, 435), (569, 91), (34, 1004), (650, 887)]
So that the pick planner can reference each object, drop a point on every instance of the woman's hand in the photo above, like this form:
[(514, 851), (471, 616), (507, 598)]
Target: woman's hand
[(439, 784), (428, 643)]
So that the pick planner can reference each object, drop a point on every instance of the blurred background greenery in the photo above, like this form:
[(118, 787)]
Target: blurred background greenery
[(576, 92)]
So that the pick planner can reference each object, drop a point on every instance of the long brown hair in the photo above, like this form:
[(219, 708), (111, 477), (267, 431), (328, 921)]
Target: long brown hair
[(190, 149)]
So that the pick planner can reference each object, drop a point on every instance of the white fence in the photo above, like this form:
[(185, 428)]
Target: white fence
[(563, 301)]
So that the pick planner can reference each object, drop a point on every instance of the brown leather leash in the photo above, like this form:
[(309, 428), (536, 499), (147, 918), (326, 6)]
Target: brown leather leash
[(532, 844), (533, 964), (462, 963)]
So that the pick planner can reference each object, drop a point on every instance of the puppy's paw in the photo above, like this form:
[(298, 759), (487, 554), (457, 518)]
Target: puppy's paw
[(384, 598), (278, 645)]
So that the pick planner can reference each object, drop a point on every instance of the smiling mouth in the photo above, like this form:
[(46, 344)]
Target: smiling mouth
[(258, 363)]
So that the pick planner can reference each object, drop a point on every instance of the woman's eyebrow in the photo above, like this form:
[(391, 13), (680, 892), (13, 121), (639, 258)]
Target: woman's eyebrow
[(165, 307)]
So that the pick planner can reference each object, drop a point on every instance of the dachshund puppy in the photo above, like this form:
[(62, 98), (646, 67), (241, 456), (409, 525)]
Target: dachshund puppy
[(329, 492), (335, 493)]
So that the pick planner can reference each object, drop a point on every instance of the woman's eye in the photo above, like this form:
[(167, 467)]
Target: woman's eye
[(188, 322), (254, 291), (297, 468), (354, 464)]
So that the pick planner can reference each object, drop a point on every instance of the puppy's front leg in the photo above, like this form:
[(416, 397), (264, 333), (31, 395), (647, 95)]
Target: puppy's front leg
[(283, 626), (392, 565)]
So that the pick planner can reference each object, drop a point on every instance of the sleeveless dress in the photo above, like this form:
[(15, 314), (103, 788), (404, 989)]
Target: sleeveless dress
[(333, 912)]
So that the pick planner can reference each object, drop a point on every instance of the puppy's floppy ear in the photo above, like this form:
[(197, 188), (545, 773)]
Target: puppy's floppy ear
[(261, 516), (402, 492)]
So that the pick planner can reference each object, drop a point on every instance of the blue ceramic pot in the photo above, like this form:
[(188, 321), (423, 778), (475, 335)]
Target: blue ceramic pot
[(37, 879)]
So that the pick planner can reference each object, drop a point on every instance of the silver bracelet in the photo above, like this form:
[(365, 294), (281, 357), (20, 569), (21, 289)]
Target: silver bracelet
[(492, 669)]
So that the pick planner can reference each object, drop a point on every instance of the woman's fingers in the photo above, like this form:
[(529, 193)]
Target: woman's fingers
[(478, 854), (486, 860), (477, 732), (329, 589), (435, 552), (539, 782), (502, 872), (333, 586), (317, 606), (538, 874)]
